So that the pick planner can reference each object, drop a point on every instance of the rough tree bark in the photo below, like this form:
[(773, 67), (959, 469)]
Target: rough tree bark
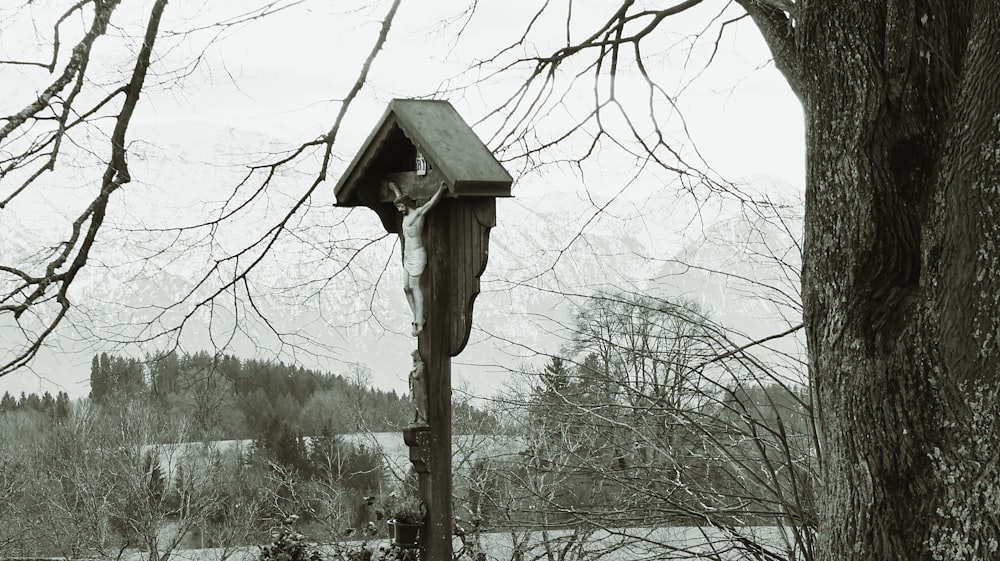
[(901, 279)]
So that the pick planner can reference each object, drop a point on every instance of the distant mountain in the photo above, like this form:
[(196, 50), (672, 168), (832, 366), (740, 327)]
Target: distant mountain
[(332, 298), (744, 267)]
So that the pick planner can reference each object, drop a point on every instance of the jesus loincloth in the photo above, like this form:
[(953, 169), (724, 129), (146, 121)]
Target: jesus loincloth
[(414, 261)]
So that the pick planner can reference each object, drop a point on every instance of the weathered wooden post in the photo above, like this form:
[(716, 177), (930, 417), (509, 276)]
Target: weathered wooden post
[(418, 147)]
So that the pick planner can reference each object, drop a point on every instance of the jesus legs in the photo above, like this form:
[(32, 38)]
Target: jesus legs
[(415, 298)]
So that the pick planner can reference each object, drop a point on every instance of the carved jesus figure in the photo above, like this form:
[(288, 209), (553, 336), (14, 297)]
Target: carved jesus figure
[(414, 252)]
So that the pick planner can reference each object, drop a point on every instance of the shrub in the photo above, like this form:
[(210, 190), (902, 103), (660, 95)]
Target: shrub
[(288, 545)]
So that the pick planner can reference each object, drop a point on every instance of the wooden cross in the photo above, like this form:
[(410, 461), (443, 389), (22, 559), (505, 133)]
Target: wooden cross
[(418, 147)]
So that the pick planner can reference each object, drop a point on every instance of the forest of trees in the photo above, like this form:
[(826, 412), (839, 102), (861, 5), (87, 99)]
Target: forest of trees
[(226, 398), (57, 407), (637, 423)]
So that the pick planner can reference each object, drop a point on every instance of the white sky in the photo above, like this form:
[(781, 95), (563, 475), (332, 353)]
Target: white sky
[(281, 75)]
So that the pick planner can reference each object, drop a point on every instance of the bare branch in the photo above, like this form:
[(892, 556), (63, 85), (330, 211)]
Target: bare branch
[(76, 65), (115, 175), (779, 32)]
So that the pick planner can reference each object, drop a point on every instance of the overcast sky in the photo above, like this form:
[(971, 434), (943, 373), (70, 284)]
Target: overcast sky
[(283, 74)]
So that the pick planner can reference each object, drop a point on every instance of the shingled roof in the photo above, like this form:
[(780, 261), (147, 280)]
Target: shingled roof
[(447, 142)]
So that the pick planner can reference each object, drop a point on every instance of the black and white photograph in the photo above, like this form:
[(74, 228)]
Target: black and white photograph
[(481, 280)]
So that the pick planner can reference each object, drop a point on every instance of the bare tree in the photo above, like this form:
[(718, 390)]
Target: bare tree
[(92, 484), (32, 140), (18, 434), (655, 433), (646, 346)]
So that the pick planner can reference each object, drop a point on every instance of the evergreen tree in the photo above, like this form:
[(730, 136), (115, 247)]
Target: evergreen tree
[(48, 404), (128, 378), (281, 444), (8, 404), (163, 377), (62, 406), (556, 375), (363, 470), (31, 402), (99, 378)]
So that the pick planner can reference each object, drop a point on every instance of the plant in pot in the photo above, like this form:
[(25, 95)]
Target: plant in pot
[(407, 519)]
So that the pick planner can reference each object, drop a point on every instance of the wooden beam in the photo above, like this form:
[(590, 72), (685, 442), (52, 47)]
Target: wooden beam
[(435, 350)]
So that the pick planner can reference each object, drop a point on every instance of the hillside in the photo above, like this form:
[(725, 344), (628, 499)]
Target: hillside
[(466, 449)]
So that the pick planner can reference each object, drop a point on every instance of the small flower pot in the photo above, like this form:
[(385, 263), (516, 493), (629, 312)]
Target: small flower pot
[(406, 535)]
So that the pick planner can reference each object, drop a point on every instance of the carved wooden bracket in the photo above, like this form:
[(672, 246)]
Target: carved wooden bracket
[(418, 439), (469, 224)]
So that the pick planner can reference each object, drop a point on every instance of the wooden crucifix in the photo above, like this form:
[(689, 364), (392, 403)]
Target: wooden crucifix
[(431, 180)]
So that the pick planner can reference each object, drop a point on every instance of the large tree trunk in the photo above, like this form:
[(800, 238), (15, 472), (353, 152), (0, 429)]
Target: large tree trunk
[(901, 280)]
